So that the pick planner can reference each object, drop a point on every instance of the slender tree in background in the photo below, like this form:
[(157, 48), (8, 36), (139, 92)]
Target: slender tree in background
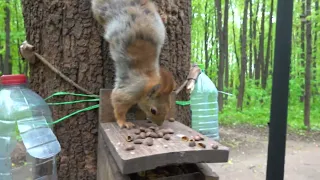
[(206, 38), (226, 45), (7, 56), (221, 52), (302, 40), (260, 65), (243, 56), (265, 72), (308, 74)]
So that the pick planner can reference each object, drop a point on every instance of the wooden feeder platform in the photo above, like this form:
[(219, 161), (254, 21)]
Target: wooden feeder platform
[(118, 162)]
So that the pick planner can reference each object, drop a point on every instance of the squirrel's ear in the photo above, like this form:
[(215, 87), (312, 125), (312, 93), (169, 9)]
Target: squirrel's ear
[(153, 90)]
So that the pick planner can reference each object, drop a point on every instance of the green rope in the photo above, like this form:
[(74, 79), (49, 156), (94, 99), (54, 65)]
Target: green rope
[(91, 98)]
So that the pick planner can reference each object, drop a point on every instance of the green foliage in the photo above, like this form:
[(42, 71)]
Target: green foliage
[(17, 33), (257, 101)]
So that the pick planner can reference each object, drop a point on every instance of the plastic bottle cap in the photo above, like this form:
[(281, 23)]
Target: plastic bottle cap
[(15, 79)]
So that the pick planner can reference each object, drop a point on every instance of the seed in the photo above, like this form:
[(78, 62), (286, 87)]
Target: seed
[(153, 135), (142, 129), (185, 138), (137, 141), (149, 130), (215, 146), (149, 121), (167, 137), (137, 131), (129, 148), (148, 141), (143, 135), (192, 143), (129, 138), (167, 131), (202, 145), (148, 134), (160, 134), (171, 119), (152, 128), (197, 138)]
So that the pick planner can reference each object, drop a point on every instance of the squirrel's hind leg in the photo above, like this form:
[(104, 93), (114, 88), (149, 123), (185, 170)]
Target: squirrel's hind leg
[(121, 103)]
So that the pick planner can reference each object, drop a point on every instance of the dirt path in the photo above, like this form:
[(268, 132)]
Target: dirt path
[(248, 155)]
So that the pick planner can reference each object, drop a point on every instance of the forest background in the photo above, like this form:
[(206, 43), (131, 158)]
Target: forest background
[(235, 42)]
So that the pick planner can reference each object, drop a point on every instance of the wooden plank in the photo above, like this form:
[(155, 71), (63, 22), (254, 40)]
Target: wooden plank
[(107, 168), (163, 152), (207, 171), (105, 107)]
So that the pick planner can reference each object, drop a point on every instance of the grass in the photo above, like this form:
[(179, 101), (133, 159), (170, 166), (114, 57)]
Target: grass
[(259, 114)]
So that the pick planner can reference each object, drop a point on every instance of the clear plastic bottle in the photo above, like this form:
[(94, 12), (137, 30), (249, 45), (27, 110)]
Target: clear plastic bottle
[(204, 107), (27, 144)]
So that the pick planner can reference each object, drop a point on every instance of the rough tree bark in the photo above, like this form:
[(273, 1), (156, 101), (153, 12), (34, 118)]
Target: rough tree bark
[(268, 56), (308, 73), (6, 63), (243, 56), (67, 35)]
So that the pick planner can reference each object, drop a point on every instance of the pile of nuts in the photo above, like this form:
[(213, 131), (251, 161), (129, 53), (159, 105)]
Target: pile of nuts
[(145, 136), (192, 142)]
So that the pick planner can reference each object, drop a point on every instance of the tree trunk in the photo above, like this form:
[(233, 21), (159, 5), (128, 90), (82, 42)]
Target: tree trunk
[(308, 68), (256, 59), (221, 52), (235, 41), (266, 67), (7, 56), (67, 35), (226, 45), (251, 40), (261, 44), (314, 65), (243, 56), (206, 37)]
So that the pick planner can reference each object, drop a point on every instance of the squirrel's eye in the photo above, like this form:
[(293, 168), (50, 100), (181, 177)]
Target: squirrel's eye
[(153, 111)]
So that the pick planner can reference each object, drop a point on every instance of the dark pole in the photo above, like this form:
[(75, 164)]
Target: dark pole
[(280, 89)]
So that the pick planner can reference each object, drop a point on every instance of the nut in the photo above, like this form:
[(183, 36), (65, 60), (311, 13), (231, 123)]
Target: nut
[(137, 131), (167, 131), (148, 134), (142, 135), (142, 129), (185, 138), (215, 146), (167, 137), (129, 148), (171, 119), (197, 138), (129, 138), (202, 145), (153, 135), (192, 143), (148, 141), (160, 134), (148, 130), (152, 128), (137, 141)]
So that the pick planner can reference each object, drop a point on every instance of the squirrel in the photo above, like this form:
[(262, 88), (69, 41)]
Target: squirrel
[(136, 34)]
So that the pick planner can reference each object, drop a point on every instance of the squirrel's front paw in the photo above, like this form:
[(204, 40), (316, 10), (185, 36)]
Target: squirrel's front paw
[(127, 125)]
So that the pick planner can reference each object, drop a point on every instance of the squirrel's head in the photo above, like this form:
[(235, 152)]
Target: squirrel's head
[(156, 103)]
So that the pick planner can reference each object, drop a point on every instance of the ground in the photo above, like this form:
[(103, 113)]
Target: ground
[(248, 154)]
